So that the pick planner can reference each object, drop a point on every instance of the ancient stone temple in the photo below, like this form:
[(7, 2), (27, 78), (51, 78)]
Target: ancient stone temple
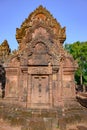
[(40, 74)]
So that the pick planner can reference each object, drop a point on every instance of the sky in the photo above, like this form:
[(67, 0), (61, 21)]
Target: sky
[(69, 13)]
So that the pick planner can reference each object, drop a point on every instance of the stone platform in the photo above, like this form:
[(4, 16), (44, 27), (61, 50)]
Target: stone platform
[(66, 118)]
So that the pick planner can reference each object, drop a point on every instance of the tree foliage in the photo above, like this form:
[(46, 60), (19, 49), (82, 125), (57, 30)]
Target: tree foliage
[(79, 53)]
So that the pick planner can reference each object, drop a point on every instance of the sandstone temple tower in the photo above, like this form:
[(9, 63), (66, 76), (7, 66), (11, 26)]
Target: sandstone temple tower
[(40, 74)]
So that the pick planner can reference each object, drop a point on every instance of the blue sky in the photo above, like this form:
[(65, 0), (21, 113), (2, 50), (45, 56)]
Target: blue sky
[(69, 13)]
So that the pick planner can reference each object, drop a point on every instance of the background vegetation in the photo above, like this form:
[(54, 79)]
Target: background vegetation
[(79, 52)]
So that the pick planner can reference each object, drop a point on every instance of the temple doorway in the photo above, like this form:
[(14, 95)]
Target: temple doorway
[(40, 90)]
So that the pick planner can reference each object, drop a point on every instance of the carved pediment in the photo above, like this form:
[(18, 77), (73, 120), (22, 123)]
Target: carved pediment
[(13, 62), (40, 52), (40, 18), (40, 36)]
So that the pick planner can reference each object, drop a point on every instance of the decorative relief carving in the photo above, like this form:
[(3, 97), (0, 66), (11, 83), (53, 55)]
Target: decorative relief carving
[(40, 70), (12, 71), (40, 65), (40, 55), (39, 18), (4, 50), (41, 32)]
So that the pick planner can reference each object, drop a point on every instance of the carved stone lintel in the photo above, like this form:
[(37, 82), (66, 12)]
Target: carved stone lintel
[(40, 70)]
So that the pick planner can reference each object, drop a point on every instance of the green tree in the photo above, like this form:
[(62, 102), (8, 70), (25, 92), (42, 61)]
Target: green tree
[(79, 53)]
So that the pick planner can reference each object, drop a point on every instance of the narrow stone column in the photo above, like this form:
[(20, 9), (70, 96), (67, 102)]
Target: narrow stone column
[(29, 91), (51, 94), (20, 85), (61, 67)]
